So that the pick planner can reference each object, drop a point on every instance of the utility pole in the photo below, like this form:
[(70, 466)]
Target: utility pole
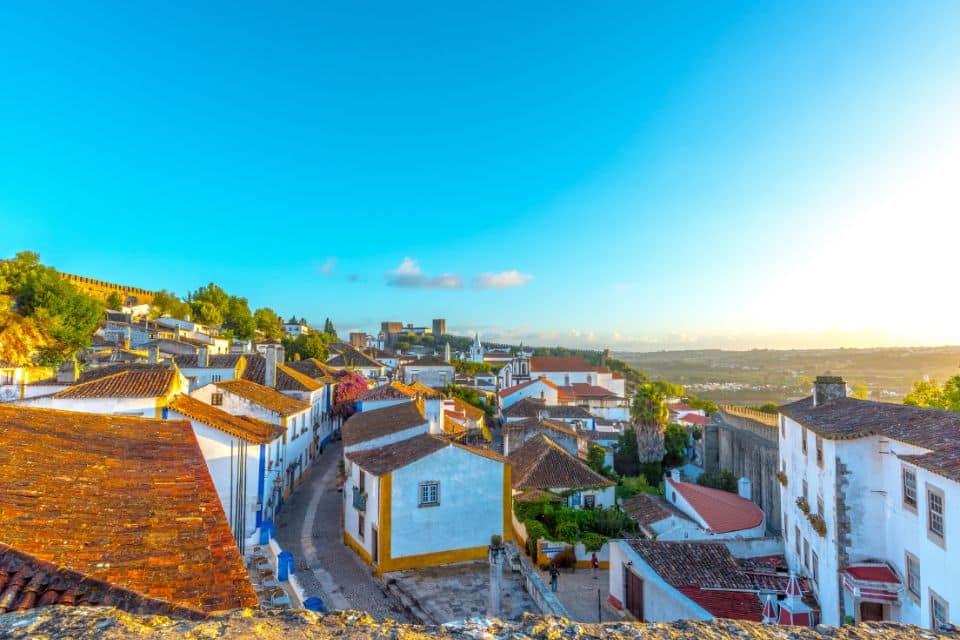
[(599, 617)]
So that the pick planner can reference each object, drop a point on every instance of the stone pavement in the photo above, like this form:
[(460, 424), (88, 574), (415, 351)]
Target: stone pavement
[(577, 591), (310, 527), (459, 591)]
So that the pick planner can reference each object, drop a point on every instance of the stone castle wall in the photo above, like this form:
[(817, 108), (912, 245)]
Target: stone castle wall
[(102, 290)]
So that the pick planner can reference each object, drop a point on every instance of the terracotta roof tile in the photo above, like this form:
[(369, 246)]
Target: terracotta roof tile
[(533, 407), (398, 454), (584, 390), (721, 510), (736, 605), (27, 582), (266, 397), (214, 361), (97, 372), (533, 423), (292, 380), (693, 564), (312, 367), (428, 392), (245, 427), (649, 509), (369, 425), (431, 361), (125, 500), (135, 383), (389, 391), (540, 463)]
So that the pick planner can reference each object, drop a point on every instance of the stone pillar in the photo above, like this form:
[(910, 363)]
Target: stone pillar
[(496, 555)]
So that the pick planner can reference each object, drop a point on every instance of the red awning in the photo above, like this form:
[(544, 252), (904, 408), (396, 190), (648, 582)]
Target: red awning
[(874, 582)]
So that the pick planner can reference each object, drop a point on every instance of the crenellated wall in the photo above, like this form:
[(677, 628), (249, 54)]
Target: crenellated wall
[(102, 290)]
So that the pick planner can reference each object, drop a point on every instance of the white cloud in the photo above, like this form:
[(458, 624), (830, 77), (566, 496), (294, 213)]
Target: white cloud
[(409, 275), (329, 266), (501, 280)]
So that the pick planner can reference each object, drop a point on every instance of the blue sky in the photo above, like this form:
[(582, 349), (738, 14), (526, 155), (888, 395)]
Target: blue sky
[(630, 175)]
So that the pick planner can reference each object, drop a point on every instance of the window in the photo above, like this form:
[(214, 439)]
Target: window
[(805, 491), (939, 611), (910, 489), (7, 377), (429, 494), (816, 566), (216, 399), (819, 451), (361, 524), (217, 377), (783, 427), (589, 379), (796, 540), (935, 524), (803, 440), (820, 506), (786, 526), (806, 554), (913, 576), (363, 481), (589, 501)]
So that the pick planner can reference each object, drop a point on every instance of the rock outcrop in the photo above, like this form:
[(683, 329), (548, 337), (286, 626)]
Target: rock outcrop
[(55, 623)]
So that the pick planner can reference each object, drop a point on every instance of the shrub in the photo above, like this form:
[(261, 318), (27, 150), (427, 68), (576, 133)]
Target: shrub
[(718, 480), (529, 510), (612, 523), (568, 532), (593, 541), (652, 471), (566, 558), (535, 531), (637, 485)]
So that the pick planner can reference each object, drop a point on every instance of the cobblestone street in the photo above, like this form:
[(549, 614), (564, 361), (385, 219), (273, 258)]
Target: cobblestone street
[(577, 591), (310, 527)]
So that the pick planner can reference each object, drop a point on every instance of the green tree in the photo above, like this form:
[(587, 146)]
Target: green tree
[(675, 443), (670, 389), (238, 322), (209, 304), (328, 328), (166, 303), (769, 407), (926, 393), (268, 322), (114, 301), (650, 415), (595, 455), (859, 391), (310, 345), (718, 480), (708, 406), (626, 459)]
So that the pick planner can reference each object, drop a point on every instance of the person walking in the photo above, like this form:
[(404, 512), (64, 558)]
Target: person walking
[(554, 576), (595, 563)]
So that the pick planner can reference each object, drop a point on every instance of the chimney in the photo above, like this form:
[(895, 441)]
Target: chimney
[(270, 372), (203, 358), (675, 474), (153, 354), (828, 389), (745, 489), (69, 372), (446, 352)]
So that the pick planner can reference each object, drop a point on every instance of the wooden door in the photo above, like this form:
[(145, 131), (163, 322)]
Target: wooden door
[(634, 593), (871, 611), (375, 545)]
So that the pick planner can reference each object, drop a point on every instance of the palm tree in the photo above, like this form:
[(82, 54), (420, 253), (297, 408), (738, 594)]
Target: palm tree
[(650, 415)]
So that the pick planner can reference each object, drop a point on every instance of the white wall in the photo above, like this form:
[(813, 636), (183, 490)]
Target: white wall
[(200, 376), (661, 602), (432, 376), (376, 443), (537, 390), (351, 517), (145, 407), (470, 509)]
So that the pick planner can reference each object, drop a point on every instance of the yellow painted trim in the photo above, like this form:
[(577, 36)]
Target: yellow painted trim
[(507, 502), (432, 559), (360, 551), (585, 564), (384, 529)]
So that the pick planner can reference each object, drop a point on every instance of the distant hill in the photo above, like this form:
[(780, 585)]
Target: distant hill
[(764, 375)]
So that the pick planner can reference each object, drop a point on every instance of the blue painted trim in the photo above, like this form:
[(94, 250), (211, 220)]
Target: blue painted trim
[(260, 481)]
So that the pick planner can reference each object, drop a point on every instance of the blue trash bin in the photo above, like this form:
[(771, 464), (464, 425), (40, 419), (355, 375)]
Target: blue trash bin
[(266, 531), (285, 566), (314, 604)]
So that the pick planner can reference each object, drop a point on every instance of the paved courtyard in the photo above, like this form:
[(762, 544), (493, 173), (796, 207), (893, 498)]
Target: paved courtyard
[(460, 591), (310, 527), (577, 592)]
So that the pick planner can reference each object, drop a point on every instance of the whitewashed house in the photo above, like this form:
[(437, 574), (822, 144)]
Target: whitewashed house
[(245, 398), (720, 514), (242, 454), (202, 369), (423, 501), (347, 357), (123, 389), (429, 370), (538, 389), (869, 490), (380, 427), (15, 380), (543, 465)]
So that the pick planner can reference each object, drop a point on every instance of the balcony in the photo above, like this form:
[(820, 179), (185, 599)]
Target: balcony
[(359, 499)]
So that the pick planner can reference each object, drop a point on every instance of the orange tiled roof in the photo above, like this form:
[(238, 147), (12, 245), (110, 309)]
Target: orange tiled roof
[(27, 582), (245, 427), (264, 396), (133, 383), (517, 387), (428, 392), (721, 510), (125, 500), (540, 463), (296, 381), (560, 363)]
